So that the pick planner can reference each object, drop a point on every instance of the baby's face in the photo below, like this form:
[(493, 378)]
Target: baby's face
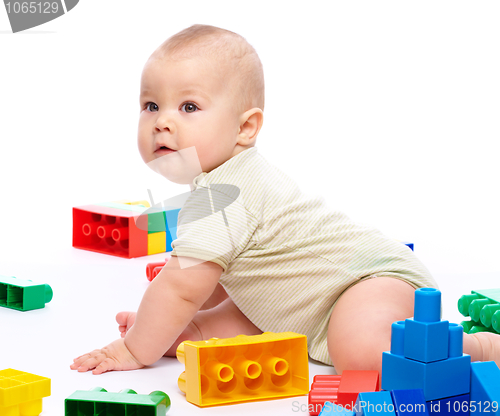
[(185, 104)]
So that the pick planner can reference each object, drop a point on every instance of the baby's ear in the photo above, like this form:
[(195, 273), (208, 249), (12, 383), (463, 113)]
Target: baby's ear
[(250, 125)]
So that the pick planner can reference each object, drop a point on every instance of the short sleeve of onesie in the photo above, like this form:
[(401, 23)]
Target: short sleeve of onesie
[(214, 224)]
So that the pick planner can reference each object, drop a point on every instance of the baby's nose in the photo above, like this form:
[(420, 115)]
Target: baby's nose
[(164, 123)]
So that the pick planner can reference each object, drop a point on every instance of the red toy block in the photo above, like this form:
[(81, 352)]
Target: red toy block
[(323, 389), (354, 382), (152, 269), (110, 231)]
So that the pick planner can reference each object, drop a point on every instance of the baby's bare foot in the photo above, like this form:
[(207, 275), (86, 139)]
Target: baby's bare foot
[(490, 346), (125, 321)]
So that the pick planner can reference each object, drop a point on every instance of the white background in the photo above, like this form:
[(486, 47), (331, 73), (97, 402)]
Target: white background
[(389, 109)]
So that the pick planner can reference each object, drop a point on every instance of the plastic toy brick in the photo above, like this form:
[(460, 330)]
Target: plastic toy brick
[(483, 307), (409, 402), (98, 402), (445, 378), (124, 206), (450, 406), (152, 269), (157, 243), (485, 388), (324, 389), (377, 403), (21, 393), (331, 409), (410, 245), (244, 368), (108, 230), (426, 336), (171, 217), (23, 295), (354, 382)]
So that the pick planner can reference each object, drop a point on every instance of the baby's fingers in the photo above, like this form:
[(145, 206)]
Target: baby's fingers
[(88, 361), (107, 365)]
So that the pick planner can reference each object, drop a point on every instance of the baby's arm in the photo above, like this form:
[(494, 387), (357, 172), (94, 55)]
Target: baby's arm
[(167, 307), (219, 295)]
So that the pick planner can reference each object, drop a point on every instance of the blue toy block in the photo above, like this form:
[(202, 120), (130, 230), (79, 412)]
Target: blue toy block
[(410, 245), (409, 402), (374, 403), (331, 409), (450, 406), (445, 378), (485, 388), (426, 341), (171, 217)]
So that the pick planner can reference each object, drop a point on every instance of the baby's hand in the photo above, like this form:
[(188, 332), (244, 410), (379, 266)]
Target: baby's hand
[(115, 356)]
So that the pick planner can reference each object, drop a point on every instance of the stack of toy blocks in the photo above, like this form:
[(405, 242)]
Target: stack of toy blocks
[(244, 368), (21, 393), (23, 295), (426, 353), (98, 402), (483, 307), (125, 229)]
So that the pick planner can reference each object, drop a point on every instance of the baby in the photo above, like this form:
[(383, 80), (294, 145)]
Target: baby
[(266, 258)]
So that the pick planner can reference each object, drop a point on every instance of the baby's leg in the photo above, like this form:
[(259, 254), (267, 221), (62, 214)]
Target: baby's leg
[(360, 325), (483, 346), (223, 321)]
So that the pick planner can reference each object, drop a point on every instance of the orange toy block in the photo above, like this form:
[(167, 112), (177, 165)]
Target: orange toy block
[(244, 368), (354, 382)]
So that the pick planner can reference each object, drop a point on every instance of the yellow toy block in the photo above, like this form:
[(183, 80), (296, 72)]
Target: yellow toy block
[(143, 203), (244, 368), (21, 393), (157, 243)]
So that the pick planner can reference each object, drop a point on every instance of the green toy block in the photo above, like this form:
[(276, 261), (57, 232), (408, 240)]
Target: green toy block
[(156, 221), (98, 402), (23, 295), (483, 307)]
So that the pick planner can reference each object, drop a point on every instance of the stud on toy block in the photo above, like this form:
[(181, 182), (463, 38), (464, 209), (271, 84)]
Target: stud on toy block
[(483, 307), (331, 409), (449, 406), (378, 403), (244, 368), (409, 402), (485, 388), (23, 295), (354, 382), (98, 402), (21, 393), (324, 389), (426, 336), (151, 269)]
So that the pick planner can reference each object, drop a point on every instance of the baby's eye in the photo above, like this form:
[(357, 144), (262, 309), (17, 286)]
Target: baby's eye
[(151, 107), (189, 108)]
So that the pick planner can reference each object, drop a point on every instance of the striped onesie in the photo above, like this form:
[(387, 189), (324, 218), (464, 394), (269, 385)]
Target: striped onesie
[(286, 257)]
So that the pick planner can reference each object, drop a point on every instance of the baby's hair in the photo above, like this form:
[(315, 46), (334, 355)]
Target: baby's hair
[(231, 53)]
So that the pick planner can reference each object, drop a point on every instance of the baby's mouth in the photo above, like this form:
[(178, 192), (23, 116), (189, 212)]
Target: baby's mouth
[(164, 150)]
